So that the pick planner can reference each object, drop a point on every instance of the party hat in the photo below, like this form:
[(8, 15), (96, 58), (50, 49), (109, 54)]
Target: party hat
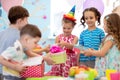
[(70, 15)]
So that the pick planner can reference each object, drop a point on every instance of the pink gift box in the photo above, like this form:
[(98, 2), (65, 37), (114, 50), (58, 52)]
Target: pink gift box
[(33, 71), (115, 76)]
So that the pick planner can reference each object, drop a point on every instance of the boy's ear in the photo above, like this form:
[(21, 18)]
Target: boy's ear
[(26, 39), (19, 21)]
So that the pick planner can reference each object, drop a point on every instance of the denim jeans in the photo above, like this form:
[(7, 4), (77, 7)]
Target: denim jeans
[(8, 77), (1, 77)]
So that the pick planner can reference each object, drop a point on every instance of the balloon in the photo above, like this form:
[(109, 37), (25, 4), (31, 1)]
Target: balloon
[(7, 4), (94, 3)]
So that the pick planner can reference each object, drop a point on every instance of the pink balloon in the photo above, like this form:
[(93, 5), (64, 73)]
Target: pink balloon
[(94, 3), (7, 4)]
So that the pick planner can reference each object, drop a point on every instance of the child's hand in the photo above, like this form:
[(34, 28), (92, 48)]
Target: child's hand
[(20, 68), (88, 52), (47, 48), (62, 44), (48, 59)]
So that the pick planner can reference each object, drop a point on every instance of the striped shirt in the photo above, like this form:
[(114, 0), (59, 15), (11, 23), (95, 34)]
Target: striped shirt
[(91, 39)]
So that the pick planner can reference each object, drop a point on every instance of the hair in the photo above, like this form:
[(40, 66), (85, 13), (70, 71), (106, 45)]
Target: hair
[(95, 11), (17, 12), (113, 25), (69, 21), (31, 30)]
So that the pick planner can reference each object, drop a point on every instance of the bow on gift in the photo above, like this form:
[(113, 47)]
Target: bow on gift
[(55, 49)]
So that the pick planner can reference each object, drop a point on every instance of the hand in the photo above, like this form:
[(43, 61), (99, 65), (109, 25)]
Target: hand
[(62, 44), (20, 68), (48, 59), (47, 48), (88, 52)]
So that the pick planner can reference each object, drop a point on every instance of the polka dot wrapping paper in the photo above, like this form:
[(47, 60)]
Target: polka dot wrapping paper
[(33, 71)]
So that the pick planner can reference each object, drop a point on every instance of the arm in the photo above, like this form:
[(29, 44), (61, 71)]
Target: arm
[(107, 45), (31, 53), (17, 67), (48, 59), (39, 50), (66, 44)]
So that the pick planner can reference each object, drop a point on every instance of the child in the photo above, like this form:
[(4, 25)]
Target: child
[(13, 56), (66, 41), (92, 36), (108, 57), (18, 17)]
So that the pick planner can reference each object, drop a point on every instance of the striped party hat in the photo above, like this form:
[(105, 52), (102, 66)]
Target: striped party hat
[(70, 15)]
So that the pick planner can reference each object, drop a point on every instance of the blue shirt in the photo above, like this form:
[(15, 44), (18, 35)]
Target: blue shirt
[(91, 39), (7, 39)]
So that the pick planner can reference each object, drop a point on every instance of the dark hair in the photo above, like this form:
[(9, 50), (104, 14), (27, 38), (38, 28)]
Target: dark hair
[(113, 26), (69, 21), (31, 30), (96, 12), (17, 12)]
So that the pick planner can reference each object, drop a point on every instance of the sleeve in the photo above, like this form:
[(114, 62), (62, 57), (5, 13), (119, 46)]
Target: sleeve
[(109, 38), (81, 42), (102, 35), (9, 53)]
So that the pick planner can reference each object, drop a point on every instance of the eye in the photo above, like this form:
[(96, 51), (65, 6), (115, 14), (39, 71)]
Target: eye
[(86, 18), (91, 17)]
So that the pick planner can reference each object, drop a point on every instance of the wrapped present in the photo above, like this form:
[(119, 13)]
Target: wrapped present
[(35, 67), (108, 72), (58, 54)]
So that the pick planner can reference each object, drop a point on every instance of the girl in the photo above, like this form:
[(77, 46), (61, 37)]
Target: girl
[(108, 57), (92, 36), (66, 41)]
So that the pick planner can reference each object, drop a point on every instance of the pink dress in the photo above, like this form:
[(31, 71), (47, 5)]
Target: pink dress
[(63, 69)]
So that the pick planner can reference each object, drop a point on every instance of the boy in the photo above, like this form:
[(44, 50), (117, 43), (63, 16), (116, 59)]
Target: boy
[(18, 17), (13, 56)]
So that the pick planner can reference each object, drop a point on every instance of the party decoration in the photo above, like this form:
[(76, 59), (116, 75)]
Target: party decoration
[(71, 13), (94, 3), (8, 4)]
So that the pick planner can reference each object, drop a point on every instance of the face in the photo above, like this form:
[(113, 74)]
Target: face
[(90, 18), (31, 42), (105, 26), (67, 28)]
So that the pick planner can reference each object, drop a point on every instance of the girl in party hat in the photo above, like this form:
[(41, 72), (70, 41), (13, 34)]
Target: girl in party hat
[(66, 40)]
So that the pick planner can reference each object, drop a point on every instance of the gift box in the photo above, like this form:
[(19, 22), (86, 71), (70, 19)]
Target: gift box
[(59, 57), (35, 68), (108, 72), (58, 54)]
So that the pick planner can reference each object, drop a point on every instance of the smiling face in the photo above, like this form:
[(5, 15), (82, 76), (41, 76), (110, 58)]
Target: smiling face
[(90, 18), (67, 28)]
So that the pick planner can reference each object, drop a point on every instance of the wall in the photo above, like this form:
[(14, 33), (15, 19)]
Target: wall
[(40, 14)]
